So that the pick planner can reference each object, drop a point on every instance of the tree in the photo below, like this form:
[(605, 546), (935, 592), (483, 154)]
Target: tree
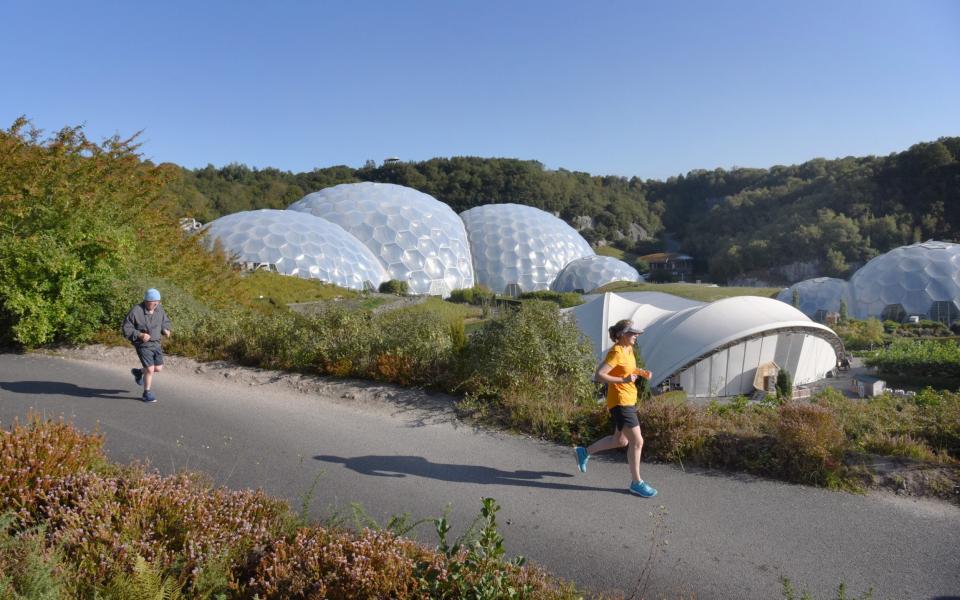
[(795, 298), (843, 312), (784, 385)]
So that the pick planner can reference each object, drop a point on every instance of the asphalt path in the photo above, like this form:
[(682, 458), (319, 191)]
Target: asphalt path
[(707, 534)]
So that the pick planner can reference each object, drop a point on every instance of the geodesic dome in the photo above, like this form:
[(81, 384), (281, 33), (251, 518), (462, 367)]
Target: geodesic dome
[(418, 239), (297, 244), (590, 272), (920, 279), (519, 248), (819, 296)]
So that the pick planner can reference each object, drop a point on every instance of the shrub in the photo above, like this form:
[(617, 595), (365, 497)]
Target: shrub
[(411, 347), (809, 442), (784, 384), (671, 428), (134, 534), (394, 286), (34, 456), (477, 295), (562, 299), (534, 363)]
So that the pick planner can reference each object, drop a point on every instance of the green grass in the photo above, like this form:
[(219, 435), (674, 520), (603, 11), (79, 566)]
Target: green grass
[(692, 291), (611, 251), (274, 288), (446, 311)]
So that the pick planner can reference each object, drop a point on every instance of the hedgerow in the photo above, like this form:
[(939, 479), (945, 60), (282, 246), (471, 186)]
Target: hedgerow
[(73, 526)]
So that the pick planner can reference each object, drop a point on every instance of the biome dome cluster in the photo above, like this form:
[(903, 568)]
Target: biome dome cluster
[(358, 235), (921, 280)]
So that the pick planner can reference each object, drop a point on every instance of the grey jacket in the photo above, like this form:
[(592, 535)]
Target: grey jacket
[(138, 321)]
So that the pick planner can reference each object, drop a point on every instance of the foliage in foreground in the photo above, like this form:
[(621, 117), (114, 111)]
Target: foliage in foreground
[(80, 224), (72, 525)]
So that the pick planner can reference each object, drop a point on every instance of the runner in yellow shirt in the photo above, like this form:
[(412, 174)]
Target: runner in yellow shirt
[(619, 371)]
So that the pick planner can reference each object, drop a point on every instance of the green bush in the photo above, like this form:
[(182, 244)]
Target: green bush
[(412, 347), (394, 286), (784, 385), (810, 443), (562, 299), (531, 368), (81, 220), (921, 362), (477, 295)]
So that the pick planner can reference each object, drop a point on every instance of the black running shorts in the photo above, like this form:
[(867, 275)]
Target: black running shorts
[(624, 416)]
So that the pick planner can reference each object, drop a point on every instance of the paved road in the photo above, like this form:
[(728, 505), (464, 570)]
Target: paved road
[(708, 534)]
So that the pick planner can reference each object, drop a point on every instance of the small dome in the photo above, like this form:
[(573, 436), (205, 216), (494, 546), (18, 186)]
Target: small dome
[(819, 295), (591, 272)]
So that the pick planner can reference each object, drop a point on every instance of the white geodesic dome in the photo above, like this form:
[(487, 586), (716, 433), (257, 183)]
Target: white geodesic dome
[(519, 248), (418, 239), (819, 296), (297, 244), (921, 279), (590, 272)]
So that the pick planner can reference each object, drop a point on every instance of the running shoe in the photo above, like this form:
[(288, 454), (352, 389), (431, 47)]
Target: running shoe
[(642, 489), (582, 458), (137, 375), (149, 397)]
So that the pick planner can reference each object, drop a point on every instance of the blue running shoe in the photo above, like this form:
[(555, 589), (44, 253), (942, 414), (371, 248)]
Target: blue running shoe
[(642, 489), (149, 397), (137, 375), (582, 458)]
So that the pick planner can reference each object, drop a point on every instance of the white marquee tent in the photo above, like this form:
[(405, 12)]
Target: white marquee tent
[(713, 349)]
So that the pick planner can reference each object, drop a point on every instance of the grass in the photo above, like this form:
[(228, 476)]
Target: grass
[(611, 251), (691, 291), (445, 311), (280, 290)]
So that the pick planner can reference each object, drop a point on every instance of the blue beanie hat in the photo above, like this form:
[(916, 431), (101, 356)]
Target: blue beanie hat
[(151, 295)]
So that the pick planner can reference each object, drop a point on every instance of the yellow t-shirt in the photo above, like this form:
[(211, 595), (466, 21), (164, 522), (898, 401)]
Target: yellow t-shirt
[(622, 363)]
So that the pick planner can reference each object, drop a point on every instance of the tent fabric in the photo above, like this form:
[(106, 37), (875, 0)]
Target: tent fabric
[(681, 332)]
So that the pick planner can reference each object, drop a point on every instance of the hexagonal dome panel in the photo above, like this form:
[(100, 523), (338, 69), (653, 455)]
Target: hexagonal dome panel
[(912, 276), (590, 272), (516, 245), (819, 293), (297, 244), (403, 228)]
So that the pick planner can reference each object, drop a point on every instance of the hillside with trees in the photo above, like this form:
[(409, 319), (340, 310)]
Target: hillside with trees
[(825, 217)]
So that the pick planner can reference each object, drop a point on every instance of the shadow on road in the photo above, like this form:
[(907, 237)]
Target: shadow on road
[(401, 466), (59, 388)]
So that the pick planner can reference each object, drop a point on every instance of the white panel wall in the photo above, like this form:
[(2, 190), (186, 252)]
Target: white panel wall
[(730, 372), (702, 373), (768, 349), (735, 370), (718, 373), (751, 359), (807, 363), (686, 381)]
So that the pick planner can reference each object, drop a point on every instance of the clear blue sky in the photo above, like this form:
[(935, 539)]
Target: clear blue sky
[(651, 89)]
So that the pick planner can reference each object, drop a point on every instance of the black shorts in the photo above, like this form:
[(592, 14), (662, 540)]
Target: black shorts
[(150, 355), (624, 416)]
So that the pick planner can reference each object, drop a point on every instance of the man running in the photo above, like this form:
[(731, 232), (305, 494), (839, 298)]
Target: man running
[(145, 324)]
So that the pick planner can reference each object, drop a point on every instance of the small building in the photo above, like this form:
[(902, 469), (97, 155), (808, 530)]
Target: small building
[(678, 265), (868, 386)]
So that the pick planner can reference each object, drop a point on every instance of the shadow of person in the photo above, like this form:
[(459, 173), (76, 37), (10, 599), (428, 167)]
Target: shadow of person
[(402, 466), (60, 388)]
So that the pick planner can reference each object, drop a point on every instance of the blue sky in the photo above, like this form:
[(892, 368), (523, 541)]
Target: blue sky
[(650, 89)]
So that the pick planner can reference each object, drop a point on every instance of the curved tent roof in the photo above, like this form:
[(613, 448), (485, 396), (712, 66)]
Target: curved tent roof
[(680, 332)]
